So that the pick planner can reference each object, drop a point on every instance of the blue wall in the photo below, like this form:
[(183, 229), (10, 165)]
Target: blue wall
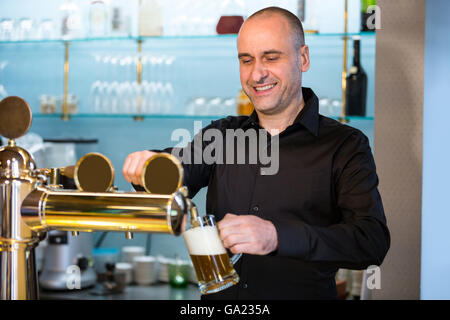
[(435, 266)]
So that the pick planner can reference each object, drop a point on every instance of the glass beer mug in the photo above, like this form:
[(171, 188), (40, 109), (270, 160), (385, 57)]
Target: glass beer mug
[(214, 268)]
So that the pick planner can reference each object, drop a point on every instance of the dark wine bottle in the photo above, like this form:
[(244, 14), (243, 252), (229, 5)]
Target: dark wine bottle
[(356, 91)]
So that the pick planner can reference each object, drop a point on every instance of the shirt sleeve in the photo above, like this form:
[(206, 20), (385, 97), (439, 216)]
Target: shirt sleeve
[(361, 237)]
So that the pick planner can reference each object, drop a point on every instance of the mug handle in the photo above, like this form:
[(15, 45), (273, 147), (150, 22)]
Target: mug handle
[(235, 258)]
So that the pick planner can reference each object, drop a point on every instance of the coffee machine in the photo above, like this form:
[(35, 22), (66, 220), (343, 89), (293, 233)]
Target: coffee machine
[(62, 252), (32, 203)]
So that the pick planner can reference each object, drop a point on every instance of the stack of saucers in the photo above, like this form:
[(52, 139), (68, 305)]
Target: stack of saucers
[(144, 270), (127, 269), (130, 252), (163, 273)]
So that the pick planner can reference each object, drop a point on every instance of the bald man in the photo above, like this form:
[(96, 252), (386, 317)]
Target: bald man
[(321, 210)]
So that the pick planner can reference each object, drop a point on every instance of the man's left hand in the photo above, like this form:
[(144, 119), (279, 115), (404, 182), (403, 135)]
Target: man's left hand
[(248, 234)]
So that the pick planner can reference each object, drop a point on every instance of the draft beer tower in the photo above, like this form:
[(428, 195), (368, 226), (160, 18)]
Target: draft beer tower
[(32, 203)]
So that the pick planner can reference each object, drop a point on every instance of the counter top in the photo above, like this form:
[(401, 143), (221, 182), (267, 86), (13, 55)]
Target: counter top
[(160, 291)]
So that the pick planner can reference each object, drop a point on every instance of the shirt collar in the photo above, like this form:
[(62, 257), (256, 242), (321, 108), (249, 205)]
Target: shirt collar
[(308, 117)]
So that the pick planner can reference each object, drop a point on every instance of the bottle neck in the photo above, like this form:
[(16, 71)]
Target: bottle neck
[(356, 53)]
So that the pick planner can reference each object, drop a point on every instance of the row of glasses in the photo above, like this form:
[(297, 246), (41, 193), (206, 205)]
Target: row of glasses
[(198, 17), (123, 67), (27, 29), (50, 104), (124, 95), (330, 107), (132, 98), (192, 17), (211, 106)]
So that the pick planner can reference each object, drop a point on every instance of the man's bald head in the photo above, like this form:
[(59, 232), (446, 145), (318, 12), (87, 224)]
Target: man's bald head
[(294, 23)]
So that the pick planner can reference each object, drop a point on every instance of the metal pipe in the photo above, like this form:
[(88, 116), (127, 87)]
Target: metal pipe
[(343, 117), (65, 105), (45, 209), (18, 277), (18, 270), (138, 116)]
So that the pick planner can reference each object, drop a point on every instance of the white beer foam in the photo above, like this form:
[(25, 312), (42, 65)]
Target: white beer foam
[(203, 241)]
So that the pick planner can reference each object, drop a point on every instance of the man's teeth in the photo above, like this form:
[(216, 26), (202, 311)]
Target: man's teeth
[(269, 86)]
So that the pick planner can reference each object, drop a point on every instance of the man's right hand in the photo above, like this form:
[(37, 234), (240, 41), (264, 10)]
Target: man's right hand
[(134, 163)]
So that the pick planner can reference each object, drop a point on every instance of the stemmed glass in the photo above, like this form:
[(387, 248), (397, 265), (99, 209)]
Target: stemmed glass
[(96, 95), (3, 92), (126, 63), (7, 30), (121, 95), (25, 29)]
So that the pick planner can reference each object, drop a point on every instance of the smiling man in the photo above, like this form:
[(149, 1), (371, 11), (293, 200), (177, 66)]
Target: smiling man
[(272, 57), (321, 211)]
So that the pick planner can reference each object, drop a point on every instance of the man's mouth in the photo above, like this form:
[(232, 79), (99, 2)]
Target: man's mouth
[(265, 88)]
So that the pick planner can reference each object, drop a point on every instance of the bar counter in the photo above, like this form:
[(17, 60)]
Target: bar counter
[(160, 291)]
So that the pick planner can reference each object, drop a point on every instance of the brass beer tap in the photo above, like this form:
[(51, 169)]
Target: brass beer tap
[(32, 201)]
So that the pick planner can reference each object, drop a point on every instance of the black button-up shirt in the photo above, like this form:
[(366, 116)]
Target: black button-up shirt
[(323, 202)]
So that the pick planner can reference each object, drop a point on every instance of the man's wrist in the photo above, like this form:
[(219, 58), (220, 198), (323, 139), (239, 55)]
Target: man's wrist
[(274, 246)]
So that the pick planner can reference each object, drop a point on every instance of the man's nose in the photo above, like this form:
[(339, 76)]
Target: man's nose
[(259, 72)]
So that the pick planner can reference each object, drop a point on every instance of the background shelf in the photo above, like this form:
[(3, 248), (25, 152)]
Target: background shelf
[(165, 38), (163, 116)]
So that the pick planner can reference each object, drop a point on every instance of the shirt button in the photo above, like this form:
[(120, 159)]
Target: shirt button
[(256, 208)]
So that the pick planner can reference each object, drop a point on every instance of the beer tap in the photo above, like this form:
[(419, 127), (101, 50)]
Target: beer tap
[(32, 202)]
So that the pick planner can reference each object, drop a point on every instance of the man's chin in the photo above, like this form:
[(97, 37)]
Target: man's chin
[(265, 109)]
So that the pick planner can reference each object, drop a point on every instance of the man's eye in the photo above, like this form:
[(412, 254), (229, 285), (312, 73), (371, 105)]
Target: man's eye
[(246, 61), (272, 58)]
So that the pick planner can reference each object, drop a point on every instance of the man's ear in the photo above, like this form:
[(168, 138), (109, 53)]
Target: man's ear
[(304, 58)]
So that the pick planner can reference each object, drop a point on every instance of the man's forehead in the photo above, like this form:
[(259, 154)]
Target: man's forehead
[(266, 22), (267, 27), (264, 33)]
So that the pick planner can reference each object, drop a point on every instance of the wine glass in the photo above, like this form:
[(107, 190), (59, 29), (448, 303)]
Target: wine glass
[(7, 30), (96, 96)]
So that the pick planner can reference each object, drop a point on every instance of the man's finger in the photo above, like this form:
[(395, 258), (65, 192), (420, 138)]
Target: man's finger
[(140, 167), (229, 220), (233, 239), (126, 168), (240, 248)]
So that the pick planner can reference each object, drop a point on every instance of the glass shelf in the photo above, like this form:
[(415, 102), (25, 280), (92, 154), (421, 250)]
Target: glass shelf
[(163, 116), (185, 37), (126, 116)]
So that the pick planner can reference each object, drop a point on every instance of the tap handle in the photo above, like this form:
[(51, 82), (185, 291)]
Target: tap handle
[(162, 174), (94, 172), (15, 117), (68, 171)]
